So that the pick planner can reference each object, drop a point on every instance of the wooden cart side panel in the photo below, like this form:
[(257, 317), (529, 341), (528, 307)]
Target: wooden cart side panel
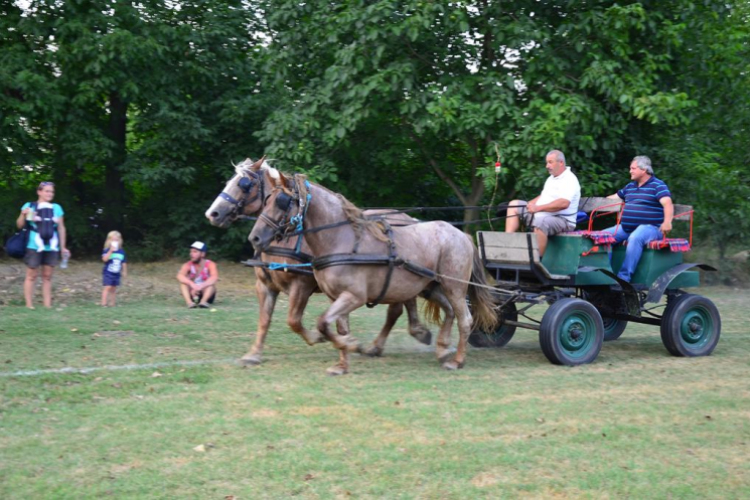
[(507, 248)]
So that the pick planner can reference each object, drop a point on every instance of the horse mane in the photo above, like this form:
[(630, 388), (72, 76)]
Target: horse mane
[(359, 222), (243, 167)]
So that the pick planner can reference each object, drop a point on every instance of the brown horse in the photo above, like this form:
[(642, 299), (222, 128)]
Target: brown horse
[(360, 260), (244, 194)]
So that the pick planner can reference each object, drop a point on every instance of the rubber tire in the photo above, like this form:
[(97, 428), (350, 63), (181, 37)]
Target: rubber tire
[(502, 334), (685, 310), (558, 320), (613, 328)]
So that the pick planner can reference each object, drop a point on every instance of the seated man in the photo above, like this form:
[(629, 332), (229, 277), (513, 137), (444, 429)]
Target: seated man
[(647, 215), (198, 278), (552, 212)]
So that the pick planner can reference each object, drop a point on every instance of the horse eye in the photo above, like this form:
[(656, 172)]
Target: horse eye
[(245, 185)]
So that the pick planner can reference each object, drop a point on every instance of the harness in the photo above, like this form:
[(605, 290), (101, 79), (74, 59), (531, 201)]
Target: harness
[(288, 226)]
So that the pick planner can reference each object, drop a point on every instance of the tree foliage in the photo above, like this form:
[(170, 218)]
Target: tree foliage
[(136, 109), (130, 107), (449, 82)]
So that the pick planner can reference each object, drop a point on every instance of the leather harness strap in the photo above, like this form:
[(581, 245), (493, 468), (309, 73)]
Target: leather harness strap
[(391, 262), (289, 254)]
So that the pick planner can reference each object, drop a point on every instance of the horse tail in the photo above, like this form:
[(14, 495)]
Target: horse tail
[(431, 311), (480, 297)]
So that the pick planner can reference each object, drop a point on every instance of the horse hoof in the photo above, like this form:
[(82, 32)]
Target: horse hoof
[(252, 360), (445, 356), (452, 365), (372, 351), (336, 370), (423, 336)]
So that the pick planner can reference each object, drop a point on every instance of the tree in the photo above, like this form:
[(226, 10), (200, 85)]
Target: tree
[(130, 105), (708, 157), (449, 82)]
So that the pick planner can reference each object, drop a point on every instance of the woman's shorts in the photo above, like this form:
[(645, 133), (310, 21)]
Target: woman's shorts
[(34, 259)]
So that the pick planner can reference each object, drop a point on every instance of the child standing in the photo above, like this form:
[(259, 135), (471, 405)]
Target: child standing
[(115, 265)]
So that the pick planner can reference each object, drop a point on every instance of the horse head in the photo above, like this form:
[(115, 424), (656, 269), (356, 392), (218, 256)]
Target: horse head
[(281, 212), (242, 195)]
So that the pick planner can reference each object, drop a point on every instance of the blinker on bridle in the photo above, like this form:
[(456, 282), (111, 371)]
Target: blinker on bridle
[(245, 184), (286, 223)]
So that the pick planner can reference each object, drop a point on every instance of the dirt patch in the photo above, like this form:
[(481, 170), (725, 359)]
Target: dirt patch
[(82, 281)]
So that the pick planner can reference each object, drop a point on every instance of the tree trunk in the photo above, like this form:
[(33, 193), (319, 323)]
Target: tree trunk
[(114, 188)]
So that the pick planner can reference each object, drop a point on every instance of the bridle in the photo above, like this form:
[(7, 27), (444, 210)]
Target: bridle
[(245, 184), (288, 223)]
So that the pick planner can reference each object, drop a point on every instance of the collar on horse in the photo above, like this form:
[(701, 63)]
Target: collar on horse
[(288, 226)]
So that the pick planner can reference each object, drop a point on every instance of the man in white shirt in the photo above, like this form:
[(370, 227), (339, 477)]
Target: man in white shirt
[(552, 212)]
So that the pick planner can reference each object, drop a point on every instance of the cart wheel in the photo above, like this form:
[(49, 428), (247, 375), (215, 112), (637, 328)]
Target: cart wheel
[(502, 334), (613, 328), (571, 332), (690, 326)]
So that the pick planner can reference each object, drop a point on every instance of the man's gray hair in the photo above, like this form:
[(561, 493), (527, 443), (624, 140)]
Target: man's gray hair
[(558, 154), (644, 163)]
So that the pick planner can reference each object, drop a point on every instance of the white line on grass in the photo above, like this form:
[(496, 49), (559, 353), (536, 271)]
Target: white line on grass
[(165, 364), (148, 366)]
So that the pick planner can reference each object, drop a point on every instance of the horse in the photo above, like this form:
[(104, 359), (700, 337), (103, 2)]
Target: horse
[(243, 195), (359, 260)]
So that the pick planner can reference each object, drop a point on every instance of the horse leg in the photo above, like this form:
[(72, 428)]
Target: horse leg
[(341, 307), (443, 344), (416, 328), (342, 325), (267, 302), (298, 298), (463, 317), (376, 348)]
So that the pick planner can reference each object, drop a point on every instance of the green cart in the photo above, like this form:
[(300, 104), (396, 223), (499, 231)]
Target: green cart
[(588, 303)]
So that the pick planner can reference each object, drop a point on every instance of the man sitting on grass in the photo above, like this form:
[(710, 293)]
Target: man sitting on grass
[(198, 278)]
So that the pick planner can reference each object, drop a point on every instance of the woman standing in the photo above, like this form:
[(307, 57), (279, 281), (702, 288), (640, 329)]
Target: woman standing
[(47, 240)]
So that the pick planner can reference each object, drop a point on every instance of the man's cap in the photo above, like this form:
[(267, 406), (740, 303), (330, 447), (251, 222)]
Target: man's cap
[(200, 246)]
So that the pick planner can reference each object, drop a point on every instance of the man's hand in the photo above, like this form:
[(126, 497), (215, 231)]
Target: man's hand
[(665, 227), (531, 207)]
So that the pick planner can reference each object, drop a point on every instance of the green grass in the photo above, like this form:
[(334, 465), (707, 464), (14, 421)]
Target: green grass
[(636, 423)]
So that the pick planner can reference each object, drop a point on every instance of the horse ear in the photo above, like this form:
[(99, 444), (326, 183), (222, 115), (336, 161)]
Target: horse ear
[(255, 166), (283, 179), (273, 176)]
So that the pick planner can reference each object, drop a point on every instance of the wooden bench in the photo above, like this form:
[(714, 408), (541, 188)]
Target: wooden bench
[(518, 251), (602, 206), (608, 205)]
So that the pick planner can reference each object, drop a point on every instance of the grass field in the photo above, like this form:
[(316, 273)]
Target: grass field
[(166, 413)]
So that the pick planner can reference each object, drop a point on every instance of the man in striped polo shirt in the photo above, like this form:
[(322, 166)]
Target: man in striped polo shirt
[(647, 215)]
